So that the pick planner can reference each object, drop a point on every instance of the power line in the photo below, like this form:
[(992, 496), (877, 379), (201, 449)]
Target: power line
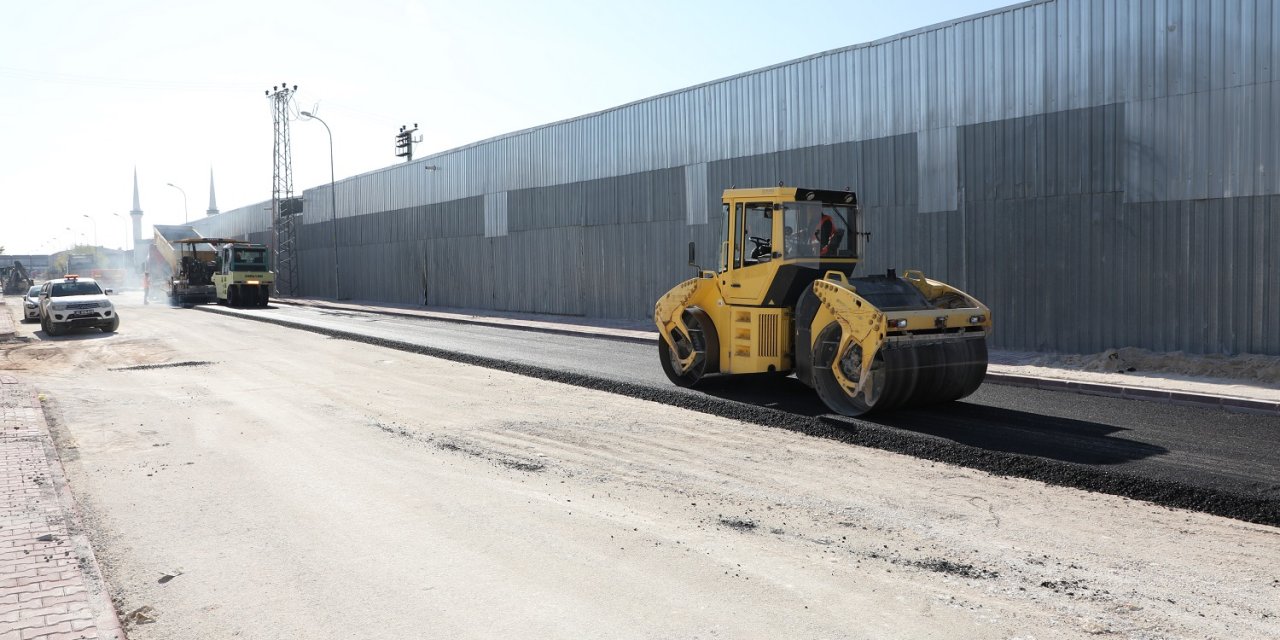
[(119, 83)]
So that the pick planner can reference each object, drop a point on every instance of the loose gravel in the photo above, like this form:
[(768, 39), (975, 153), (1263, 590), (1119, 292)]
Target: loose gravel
[(164, 365)]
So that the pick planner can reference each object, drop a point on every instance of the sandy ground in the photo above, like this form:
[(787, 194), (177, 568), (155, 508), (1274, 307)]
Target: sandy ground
[(299, 486)]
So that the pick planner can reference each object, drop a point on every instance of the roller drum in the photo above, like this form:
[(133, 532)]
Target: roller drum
[(902, 374)]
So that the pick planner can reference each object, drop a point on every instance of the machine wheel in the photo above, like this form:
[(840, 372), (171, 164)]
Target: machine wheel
[(696, 342), (54, 330), (902, 377), (233, 296), (263, 294), (112, 326), (824, 379)]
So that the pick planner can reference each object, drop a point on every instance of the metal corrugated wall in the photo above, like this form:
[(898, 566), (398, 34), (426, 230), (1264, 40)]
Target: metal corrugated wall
[(1101, 172)]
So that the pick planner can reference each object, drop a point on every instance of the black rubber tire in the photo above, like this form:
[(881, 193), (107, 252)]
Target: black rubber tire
[(54, 330), (697, 342), (264, 295), (112, 326), (233, 296)]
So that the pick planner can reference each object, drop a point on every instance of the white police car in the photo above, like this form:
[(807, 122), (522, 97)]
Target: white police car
[(31, 304), (73, 302)]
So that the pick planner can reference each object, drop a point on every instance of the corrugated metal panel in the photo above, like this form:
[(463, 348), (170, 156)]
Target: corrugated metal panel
[(495, 214), (936, 166), (695, 193)]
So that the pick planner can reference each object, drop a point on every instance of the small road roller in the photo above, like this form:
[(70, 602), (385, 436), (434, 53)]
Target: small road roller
[(783, 299)]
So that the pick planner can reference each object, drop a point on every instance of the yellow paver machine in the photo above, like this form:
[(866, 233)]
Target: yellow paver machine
[(783, 299)]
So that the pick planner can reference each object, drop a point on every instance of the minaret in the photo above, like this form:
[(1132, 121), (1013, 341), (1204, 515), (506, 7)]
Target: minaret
[(213, 202), (137, 211)]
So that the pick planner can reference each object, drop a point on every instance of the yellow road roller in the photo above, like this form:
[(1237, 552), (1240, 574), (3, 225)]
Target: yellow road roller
[(784, 299)]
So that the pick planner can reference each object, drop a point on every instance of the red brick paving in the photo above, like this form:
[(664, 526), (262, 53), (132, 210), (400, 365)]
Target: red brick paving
[(48, 584)]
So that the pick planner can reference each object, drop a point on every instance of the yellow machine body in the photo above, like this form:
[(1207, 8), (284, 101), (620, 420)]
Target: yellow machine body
[(242, 276), (783, 299)]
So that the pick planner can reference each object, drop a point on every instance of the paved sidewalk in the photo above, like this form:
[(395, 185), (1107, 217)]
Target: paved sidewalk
[(49, 580), (1008, 368)]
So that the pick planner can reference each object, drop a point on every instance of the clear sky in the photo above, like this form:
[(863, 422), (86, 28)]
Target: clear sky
[(90, 90)]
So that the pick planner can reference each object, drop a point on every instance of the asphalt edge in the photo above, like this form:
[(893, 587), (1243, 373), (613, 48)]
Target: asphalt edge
[(1147, 394), (106, 618), (1126, 392), (1164, 493), (515, 325)]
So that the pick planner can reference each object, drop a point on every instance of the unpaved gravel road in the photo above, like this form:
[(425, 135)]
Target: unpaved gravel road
[(310, 487)]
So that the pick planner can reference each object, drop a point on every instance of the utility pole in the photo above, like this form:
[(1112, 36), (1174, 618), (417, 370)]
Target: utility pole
[(405, 140), (285, 209)]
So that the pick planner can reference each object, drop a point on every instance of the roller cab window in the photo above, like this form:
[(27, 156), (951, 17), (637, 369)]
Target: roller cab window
[(248, 260), (755, 233), (819, 230)]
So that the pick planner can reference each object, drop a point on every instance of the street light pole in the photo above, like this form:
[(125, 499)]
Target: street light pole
[(184, 200), (125, 245), (333, 200), (95, 230)]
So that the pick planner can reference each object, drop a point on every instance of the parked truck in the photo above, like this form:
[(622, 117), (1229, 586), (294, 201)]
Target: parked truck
[(108, 278), (80, 263)]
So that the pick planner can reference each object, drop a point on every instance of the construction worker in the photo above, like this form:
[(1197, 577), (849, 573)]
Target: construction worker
[(826, 234), (146, 287)]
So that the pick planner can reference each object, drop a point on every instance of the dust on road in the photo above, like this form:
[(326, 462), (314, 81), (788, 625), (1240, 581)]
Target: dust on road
[(297, 486)]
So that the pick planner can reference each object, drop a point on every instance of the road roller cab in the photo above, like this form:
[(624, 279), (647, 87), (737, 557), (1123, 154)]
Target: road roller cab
[(782, 298)]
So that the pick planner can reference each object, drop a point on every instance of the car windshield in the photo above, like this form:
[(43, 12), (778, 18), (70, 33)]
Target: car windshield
[(33, 292), (74, 289)]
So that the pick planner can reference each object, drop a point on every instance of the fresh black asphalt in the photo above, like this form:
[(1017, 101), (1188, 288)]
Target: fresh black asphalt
[(1207, 460)]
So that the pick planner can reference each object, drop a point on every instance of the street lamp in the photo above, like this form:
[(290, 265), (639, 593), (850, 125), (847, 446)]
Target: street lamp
[(333, 200), (184, 200), (125, 245), (95, 230)]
